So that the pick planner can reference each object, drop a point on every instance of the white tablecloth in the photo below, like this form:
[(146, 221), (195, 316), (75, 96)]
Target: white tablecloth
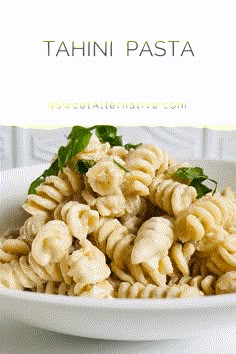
[(16, 337)]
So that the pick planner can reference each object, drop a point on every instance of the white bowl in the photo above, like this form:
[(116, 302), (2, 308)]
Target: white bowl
[(120, 319)]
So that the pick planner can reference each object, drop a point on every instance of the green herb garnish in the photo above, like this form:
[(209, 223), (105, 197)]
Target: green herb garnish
[(195, 176), (107, 133), (51, 171), (122, 167), (131, 146), (78, 140), (82, 166)]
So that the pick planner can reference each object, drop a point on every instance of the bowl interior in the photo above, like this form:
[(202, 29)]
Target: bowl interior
[(15, 183)]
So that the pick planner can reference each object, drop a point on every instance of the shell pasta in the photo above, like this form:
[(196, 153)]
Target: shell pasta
[(122, 221)]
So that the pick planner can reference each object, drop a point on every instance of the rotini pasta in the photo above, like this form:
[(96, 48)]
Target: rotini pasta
[(142, 164), (53, 191), (138, 290), (25, 273), (111, 205), (122, 222), (226, 283), (105, 178), (206, 284), (203, 216), (223, 259), (79, 218), (94, 151), (32, 226), (171, 196), (51, 243), (180, 256), (154, 238), (87, 266)]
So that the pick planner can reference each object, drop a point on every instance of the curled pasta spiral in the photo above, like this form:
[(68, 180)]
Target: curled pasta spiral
[(54, 190), (102, 290), (88, 195), (224, 258), (118, 153), (94, 151), (183, 290), (51, 243), (203, 216), (105, 177), (142, 164), (31, 227), (138, 290), (131, 222), (226, 283), (79, 218), (136, 205), (136, 211), (12, 246), (87, 266), (52, 287), (180, 256), (154, 238), (109, 232), (111, 205), (15, 247), (170, 196), (206, 284), (115, 241), (208, 244), (25, 273)]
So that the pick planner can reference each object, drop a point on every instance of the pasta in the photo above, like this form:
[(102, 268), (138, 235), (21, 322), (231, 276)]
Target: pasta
[(203, 216), (206, 284), (170, 196), (53, 191), (142, 164), (51, 242), (154, 238), (94, 151), (79, 218), (105, 178), (87, 266), (180, 256), (122, 222), (138, 290), (226, 283)]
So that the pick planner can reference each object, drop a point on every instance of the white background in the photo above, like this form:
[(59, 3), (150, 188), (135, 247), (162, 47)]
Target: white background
[(30, 79)]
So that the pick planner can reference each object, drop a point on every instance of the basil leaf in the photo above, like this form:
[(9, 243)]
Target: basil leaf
[(51, 171), (82, 166), (107, 133), (77, 130), (189, 173), (131, 146), (195, 176), (200, 188), (74, 146)]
